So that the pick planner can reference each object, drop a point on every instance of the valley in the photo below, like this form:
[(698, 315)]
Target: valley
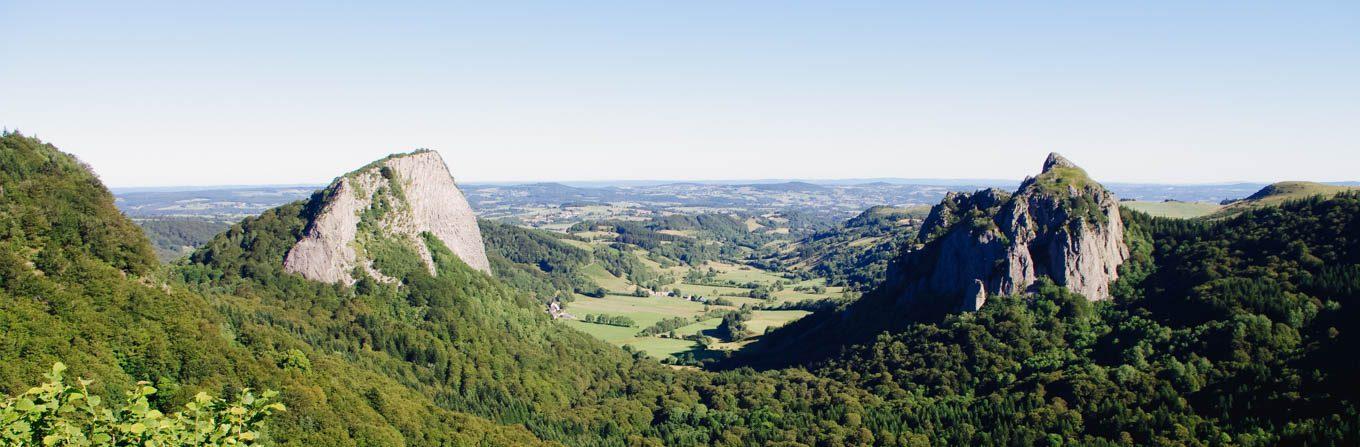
[(382, 311), (793, 254)]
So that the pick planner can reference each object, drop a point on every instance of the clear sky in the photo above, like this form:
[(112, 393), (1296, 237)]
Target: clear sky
[(242, 92)]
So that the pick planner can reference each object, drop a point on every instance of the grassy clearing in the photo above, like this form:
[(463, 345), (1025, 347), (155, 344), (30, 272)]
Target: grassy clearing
[(645, 311), (611, 334), (708, 291), (648, 311), (654, 346), (762, 319), (747, 274), (578, 244), (662, 347), (607, 280), (706, 325), (597, 235), (1179, 210)]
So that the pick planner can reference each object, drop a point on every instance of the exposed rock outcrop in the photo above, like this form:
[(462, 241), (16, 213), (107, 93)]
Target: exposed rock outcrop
[(397, 198), (1059, 225)]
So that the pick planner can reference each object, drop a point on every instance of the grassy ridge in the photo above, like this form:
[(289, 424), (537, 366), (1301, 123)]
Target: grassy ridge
[(1279, 193)]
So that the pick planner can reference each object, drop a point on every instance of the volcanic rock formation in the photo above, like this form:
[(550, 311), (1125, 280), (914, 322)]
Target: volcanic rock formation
[(1060, 225), (401, 198)]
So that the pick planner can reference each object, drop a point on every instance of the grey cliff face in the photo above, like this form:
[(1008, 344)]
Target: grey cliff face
[(1059, 225), (401, 197)]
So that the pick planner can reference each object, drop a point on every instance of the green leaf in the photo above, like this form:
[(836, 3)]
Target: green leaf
[(137, 428)]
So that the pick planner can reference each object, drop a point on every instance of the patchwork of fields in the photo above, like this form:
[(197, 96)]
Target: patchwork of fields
[(694, 300)]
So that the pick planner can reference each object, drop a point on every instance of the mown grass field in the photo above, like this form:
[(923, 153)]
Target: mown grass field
[(645, 311), (620, 336), (764, 319), (1179, 210)]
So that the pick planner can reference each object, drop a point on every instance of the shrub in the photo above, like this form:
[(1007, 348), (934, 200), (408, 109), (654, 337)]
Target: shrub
[(57, 414)]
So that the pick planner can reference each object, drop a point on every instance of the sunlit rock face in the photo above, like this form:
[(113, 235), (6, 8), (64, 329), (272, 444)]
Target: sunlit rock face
[(400, 197), (1059, 225)]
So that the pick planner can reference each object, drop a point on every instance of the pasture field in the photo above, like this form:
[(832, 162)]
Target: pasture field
[(741, 273), (647, 311), (578, 244), (656, 347), (607, 280), (662, 347), (763, 319), (1179, 210), (696, 328), (708, 291)]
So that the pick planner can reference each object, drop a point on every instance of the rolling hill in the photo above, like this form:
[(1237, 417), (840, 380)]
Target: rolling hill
[(1279, 193)]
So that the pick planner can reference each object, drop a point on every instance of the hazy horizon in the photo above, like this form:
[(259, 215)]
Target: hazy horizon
[(730, 182)]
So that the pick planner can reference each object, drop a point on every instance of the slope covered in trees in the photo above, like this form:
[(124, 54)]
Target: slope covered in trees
[(79, 284), (857, 252), (175, 237), (1230, 332), (540, 263)]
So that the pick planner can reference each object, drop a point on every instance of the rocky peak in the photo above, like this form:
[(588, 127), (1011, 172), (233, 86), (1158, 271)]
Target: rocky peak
[(1059, 225), (399, 199), (1056, 160), (957, 205)]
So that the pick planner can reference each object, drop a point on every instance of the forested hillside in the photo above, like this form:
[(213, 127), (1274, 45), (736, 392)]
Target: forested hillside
[(1229, 332), (173, 238), (856, 253), (540, 262), (79, 284)]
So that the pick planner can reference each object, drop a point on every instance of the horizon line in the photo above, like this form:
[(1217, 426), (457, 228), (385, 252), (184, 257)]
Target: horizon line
[(604, 183)]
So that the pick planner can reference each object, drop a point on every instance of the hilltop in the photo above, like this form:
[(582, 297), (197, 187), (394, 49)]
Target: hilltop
[(1279, 193), (80, 284), (1059, 227)]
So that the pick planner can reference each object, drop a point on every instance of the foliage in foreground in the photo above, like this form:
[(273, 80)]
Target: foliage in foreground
[(57, 414)]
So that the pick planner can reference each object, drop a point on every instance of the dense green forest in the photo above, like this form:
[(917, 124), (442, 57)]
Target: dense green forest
[(1231, 332), (174, 237)]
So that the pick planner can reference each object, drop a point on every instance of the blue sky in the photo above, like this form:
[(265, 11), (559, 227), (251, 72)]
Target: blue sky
[(172, 93)]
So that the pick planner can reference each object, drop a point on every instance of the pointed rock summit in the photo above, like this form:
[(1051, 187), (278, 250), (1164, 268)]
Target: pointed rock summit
[(1060, 225), (1056, 160), (402, 199)]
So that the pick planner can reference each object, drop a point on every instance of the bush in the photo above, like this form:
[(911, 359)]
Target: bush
[(56, 414)]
